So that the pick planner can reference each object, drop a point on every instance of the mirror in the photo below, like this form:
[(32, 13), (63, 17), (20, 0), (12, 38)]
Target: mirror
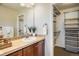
[(24, 27), (12, 22)]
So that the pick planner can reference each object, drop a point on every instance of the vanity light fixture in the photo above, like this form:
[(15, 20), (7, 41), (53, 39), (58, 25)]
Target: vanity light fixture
[(22, 4), (28, 5)]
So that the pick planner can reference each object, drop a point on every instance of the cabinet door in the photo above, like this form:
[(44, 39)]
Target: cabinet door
[(35, 49), (28, 51), (39, 49), (17, 53)]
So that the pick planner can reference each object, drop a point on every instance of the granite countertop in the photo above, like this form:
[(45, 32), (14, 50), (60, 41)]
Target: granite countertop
[(19, 44)]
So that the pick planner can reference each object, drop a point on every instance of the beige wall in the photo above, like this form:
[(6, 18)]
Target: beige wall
[(8, 17)]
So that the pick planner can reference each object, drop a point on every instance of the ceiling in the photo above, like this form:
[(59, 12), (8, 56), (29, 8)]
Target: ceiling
[(15, 6), (62, 6)]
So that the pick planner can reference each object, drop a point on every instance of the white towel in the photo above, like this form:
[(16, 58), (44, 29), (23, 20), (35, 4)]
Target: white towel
[(44, 30)]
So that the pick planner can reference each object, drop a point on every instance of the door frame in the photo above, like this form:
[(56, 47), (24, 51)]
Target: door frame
[(18, 23)]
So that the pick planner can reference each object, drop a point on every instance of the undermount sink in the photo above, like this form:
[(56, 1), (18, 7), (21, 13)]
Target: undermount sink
[(29, 39)]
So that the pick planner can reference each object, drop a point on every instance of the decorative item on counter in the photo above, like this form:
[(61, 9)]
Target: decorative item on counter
[(1, 36), (8, 31), (32, 30), (5, 43), (45, 29), (1, 32)]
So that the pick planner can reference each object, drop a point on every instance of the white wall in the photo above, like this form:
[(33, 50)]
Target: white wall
[(43, 14), (60, 26)]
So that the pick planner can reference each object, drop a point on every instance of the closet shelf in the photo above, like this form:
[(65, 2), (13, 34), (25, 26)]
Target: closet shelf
[(72, 41), (72, 24), (72, 19), (72, 27), (72, 46), (72, 31), (71, 37)]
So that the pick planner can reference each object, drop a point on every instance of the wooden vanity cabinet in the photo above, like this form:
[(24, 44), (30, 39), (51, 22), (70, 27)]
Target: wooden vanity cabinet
[(36, 49), (28, 51), (17, 53)]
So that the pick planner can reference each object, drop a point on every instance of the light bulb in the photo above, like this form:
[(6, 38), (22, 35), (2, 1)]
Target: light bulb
[(28, 5), (22, 4)]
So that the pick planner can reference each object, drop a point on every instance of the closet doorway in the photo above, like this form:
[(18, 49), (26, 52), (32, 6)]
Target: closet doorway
[(21, 26)]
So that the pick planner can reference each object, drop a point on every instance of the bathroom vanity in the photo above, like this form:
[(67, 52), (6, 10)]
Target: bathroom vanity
[(34, 46)]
